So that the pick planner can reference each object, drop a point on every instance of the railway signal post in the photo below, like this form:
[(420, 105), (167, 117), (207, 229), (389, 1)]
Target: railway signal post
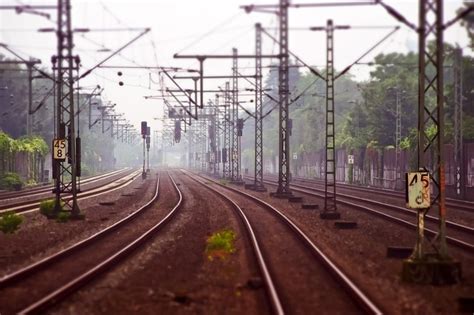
[(144, 130)]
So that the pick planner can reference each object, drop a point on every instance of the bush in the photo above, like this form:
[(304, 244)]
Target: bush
[(220, 244), (47, 207), (10, 222), (31, 183), (63, 216), (11, 181)]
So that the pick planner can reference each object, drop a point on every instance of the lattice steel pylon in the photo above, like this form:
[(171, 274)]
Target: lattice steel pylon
[(398, 136), (227, 133), (430, 109), (330, 207), (459, 178), (214, 137), (64, 67), (235, 116), (203, 142), (283, 189), (258, 180)]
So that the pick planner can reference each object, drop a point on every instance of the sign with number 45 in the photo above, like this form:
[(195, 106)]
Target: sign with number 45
[(418, 190), (59, 149)]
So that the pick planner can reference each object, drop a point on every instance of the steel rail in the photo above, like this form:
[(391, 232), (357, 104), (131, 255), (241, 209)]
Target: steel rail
[(454, 225), (457, 226), (5, 196), (454, 241), (457, 204), (361, 298), (29, 206), (99, 269), (37, 266), (262, 264)]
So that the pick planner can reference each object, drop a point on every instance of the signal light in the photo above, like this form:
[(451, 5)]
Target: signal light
[(144, 129)]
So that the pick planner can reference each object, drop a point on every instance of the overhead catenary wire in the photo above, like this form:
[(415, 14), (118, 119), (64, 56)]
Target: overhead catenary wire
[(211, 31)]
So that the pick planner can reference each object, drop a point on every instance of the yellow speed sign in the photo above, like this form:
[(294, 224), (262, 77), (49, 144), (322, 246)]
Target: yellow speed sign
[(59, 149)]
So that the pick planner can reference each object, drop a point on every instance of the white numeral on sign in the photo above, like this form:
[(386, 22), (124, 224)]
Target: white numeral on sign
[(59, 149)]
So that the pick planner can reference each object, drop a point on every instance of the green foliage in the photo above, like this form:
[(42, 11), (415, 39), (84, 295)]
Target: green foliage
[(224, 182), (63, 216), (468, 124), (405, 143), (220, 244), (6, 142), (32, 144), (10, 222), (468, 23), (47, 207), (10, 181), (31, 182)]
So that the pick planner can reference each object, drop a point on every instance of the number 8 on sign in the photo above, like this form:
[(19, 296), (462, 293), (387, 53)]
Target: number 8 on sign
[(59, 149), (418, 190)]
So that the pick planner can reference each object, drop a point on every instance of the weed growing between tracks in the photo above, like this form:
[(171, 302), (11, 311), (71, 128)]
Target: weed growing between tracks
[(47, 209), (63, 216), (220, 244), (223, 182), (10, 222)]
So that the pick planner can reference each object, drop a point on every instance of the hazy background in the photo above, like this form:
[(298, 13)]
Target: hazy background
[(205, 27)]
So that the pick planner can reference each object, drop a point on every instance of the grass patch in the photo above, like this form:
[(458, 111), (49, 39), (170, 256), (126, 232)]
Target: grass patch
[(63, 216), (10, 222), (220, 244), (47, 207), (224, 182)]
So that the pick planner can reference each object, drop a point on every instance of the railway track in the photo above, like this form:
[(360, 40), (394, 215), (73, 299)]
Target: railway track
[(292, 264), (454, 204), (4, 196), (459, 235), (33, 205), (29, 290)]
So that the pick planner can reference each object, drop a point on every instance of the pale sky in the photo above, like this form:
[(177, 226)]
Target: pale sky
[(204, 27)]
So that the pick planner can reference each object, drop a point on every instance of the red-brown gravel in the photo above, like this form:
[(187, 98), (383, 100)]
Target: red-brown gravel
[(362, 254), (173, 275), (39, 237)]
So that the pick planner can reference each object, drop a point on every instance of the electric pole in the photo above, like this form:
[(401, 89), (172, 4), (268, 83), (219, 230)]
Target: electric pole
[(258, 180), (65, 65), (458, 125)]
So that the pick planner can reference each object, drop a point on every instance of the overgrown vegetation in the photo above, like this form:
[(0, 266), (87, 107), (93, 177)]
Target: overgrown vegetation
[(29, 151), (224, 182), (220, 244), (99, 151), (10, 181), (365, 111), (10, 222), (63, 216), (47, 207)]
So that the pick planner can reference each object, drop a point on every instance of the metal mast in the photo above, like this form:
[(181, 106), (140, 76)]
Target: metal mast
[(214, 137), (258, 180), (398, 137), (458, 135), (235, 117), (430, 110), (227, 133), (283, 189), (330, 208), (64, 65), (438, 267)]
